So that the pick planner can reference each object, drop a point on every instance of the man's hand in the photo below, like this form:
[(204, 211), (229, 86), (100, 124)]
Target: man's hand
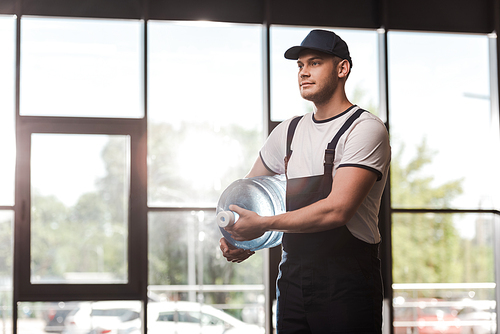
[(233, 254), (248, 227)]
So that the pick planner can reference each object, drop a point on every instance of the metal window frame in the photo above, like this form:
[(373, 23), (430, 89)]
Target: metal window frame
[(477, 16), (24, 289), (137, 241), (496, 240), (445, 16)]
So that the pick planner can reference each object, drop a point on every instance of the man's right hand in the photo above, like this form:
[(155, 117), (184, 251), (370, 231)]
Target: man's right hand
[(233, 254)]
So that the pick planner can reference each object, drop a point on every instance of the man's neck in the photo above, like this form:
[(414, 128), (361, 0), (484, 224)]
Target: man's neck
[(336, 105)]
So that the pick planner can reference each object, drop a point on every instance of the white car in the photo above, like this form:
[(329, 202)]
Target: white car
[(103, 317), (194, 318), (478, 320)]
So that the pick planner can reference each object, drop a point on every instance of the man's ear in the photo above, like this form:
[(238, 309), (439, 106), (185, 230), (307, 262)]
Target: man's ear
[(343, 68)]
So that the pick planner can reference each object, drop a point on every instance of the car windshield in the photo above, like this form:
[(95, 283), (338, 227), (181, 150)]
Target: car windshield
[(180, 316), (191, 317)]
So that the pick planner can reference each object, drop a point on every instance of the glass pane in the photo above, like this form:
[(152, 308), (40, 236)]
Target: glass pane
[(99, 317), (186, 265), (205, 109), (7, 109), (444, 273), (361, 86), (6, 269), (443, 130), (79, 67), (79, 208)]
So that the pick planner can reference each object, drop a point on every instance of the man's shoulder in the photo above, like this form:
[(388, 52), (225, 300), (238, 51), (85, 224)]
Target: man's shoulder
[(372, 120), (283, 126)]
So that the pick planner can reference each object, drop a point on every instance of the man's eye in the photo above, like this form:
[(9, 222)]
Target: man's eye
[(315, 63)]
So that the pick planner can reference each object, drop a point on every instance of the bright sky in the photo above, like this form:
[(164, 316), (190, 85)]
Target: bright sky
[(430, 99), (66, 166), (7, 98)]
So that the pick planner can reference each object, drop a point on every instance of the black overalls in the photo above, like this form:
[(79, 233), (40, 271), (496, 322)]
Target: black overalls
[(329, 282)]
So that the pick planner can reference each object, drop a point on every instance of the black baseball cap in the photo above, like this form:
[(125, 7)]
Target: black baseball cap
[(324, 41)]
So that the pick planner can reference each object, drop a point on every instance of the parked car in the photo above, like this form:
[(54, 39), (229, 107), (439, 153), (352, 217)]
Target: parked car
[(426, 316), (104, 317), (55, 314), (193, 318), (478, 319)]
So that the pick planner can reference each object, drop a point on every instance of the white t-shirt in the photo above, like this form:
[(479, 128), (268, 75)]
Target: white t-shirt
[(365, 145)]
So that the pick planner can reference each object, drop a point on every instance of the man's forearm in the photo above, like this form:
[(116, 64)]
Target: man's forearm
[(349, 189), (316, 217)]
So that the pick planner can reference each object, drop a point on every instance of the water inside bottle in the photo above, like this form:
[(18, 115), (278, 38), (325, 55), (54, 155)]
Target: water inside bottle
[(264, 195)]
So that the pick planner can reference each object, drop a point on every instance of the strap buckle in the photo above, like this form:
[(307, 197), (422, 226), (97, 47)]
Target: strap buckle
[(329, 156)]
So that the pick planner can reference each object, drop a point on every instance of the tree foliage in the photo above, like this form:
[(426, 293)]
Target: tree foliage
[(427, 248)]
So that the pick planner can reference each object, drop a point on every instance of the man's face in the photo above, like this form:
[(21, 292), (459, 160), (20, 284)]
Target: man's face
[(317, 76)]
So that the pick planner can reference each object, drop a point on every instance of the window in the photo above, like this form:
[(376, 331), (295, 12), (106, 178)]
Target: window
[(79, 67), (7, 99), (6, 265), (80, 317), (444, 132), (442, 123), (205, 128), (80, 204), (205, 109), (80, 195), (79, 208), (7, 165)]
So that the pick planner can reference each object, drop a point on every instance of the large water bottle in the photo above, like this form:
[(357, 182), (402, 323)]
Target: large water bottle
[(264, 195)]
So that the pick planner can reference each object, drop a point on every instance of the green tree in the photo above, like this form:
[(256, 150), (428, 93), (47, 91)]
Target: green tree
[(6, 246), (412, 189), (426, 247), (48, 217)]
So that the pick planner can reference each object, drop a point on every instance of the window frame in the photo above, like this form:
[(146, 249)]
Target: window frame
[(24, 290), (387, 208), (389, 15)]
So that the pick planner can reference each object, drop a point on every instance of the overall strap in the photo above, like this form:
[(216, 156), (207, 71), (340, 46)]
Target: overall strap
[(289, 136), (330, 150)]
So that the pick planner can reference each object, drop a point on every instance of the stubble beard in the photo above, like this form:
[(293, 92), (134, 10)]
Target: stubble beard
[(323, 94)]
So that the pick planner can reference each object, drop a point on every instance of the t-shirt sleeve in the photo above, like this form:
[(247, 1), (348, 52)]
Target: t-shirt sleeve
[(367, 146), (273, 152)]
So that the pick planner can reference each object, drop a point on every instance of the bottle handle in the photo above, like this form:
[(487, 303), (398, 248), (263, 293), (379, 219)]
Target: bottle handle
[(226, 218)]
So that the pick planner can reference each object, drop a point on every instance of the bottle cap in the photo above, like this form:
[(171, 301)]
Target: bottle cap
[(225, 218)]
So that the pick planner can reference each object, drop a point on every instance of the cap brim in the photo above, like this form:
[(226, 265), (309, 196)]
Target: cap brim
[(294, 52)]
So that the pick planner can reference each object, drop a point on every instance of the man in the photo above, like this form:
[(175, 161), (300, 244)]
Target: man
[(329, 280)]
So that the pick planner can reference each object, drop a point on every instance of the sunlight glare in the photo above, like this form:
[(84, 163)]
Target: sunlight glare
[(205, 158)]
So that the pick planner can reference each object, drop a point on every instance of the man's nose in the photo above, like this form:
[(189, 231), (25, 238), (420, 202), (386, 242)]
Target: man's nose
[(304, 72)]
